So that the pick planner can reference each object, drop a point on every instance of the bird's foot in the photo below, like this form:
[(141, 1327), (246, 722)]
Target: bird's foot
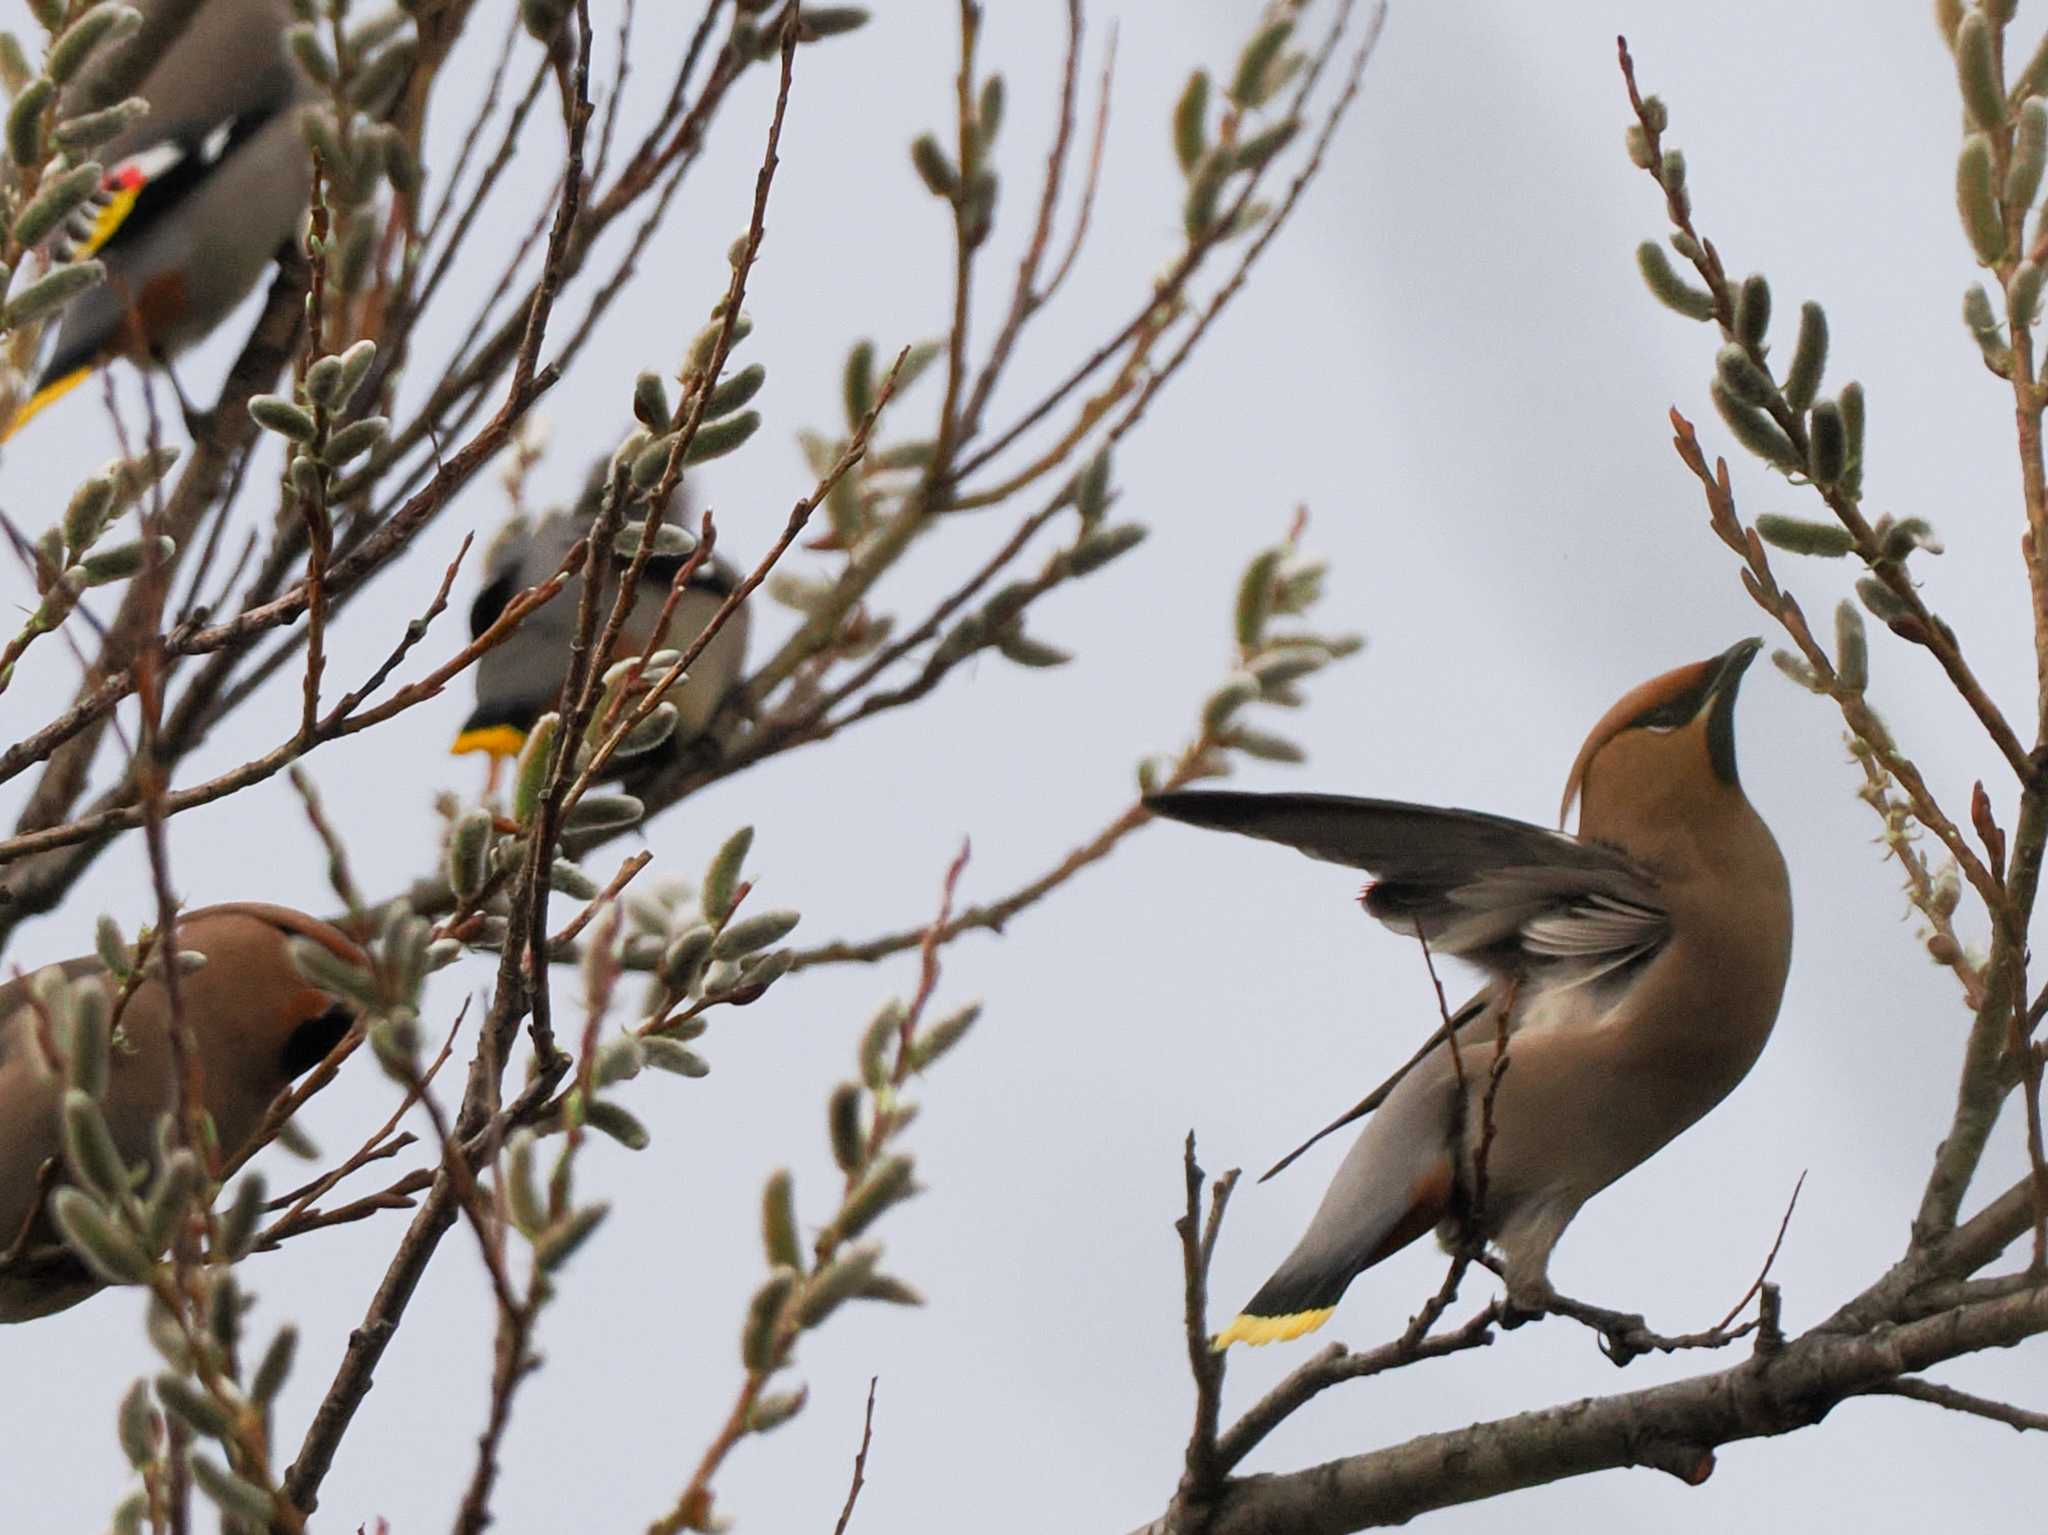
[(1623, 1334)]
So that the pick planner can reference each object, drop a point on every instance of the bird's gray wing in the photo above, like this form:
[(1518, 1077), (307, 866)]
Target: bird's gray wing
[(1516, 899)]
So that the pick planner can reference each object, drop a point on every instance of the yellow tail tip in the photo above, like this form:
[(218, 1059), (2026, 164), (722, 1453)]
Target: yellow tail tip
[(46, 395), (1256, 1330), (498, 740)]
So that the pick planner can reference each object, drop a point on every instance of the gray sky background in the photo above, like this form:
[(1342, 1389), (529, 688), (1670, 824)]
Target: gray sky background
[(1450, 361)]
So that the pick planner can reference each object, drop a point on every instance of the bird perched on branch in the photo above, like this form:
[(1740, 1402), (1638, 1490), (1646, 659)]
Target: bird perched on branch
[(521, 679), (1635, 973), (257, 1023), (199, 195)]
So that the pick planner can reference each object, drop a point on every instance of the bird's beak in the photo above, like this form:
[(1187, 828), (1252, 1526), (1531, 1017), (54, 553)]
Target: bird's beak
[(1720, 705), (1731, 664)]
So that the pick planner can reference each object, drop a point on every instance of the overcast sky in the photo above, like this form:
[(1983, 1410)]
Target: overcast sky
[(1450, 361)]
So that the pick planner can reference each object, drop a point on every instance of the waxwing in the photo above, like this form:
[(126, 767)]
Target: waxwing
[(521, 680), (199, 195), (257, 1022), (1636, 969)]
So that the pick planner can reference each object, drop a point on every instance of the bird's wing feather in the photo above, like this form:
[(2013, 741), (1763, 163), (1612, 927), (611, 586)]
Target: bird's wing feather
[(1514, 898)]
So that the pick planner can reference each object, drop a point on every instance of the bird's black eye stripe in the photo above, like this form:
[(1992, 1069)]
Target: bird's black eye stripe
[(1673, 711)]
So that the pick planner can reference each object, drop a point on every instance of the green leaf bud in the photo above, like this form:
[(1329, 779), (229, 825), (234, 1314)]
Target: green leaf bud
[(1205, 192), (124, 561), (1899, 539), (1101, 545), (1977, 71), (51, 292), (238, 1222), (555, 1246), (842, 1116), (377, 83), (1263, 745), (1673, 291), (89, 130), (760, 1345), (85, 517), (194, 1407), (330, 972), (238, 1498), (665, 1054), (1740, 375), (1755, 430), (651, 462), (531, 778), (522, 1194), (618, 1123), (469, 844), (170, 1200), (722, 877), (1797, 536), (1827, 445), (274, 413), (1809, 357), (1249, 85), (775, 1409), (715, 439), (1190, 119), (837, 1282), (25, 121), (1974, 200), (59, 198), (888, 1183), (1851, 400), (936, 1040), (888, 1289), (1884, 604), (1239, 690), (822, 21), (2029, 154), (1254, 153), (97, 28), (1852, 650), (778, 1222), (934, 167), (988, 114), (756, 932), (884, 1030), (109, 1250), (1021, 648), (2023, 294), (650, 401), (276, 1365), (1753, 309), (89, 1149), (735, 391), (682, 962), (139, 1429)]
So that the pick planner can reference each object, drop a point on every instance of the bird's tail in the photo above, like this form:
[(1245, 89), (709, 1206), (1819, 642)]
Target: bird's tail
[(1289, 1304), (1372, 1211)]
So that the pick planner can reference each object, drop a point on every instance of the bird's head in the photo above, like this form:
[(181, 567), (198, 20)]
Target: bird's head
[(1667, 742), (265, 1016)]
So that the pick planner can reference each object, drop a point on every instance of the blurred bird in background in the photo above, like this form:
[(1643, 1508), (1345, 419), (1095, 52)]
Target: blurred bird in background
[(1635, 972), (199, 195), (257, 1022), (521, 679)]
